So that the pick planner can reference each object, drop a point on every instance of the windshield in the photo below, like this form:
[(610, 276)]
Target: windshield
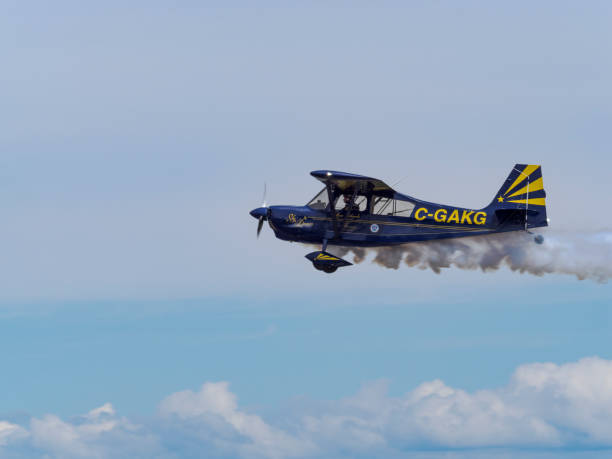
[(320, 201)]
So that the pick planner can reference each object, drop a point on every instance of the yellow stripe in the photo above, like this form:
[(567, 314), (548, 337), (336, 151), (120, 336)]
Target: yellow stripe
[(530, 169), (534, 202), (325, 257), (536, 185), (420, 225), (421, 234)]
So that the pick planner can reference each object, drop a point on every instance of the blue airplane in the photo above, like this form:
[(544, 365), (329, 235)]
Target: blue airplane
[(357, 211)]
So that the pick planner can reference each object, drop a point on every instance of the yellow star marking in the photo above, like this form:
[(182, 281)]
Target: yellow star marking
[(500, 199)]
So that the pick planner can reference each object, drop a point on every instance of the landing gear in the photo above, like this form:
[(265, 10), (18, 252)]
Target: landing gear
[(325, 261), (326, 269), (537, 238)]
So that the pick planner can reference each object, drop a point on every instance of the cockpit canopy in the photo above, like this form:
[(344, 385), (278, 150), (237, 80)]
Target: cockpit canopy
[(363, 203)]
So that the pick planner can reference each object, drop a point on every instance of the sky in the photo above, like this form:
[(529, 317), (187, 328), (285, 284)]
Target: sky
[(141, 316)]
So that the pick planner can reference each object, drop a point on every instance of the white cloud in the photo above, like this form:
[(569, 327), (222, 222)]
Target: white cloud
[(215, 400), (576, 396), (54, 435), (106, 409), (544, 406), (98, 434), (11, 432)]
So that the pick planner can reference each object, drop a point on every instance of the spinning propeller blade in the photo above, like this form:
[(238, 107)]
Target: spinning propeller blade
[(263, 200), (262, 213), (260, 225)]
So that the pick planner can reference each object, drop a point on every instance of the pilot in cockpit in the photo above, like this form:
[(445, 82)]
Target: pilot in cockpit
[(350, 207)]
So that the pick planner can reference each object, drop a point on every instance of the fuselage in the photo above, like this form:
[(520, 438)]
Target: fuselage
[(426, 222)]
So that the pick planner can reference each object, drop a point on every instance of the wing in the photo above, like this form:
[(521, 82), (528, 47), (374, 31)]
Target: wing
[(345, 181)]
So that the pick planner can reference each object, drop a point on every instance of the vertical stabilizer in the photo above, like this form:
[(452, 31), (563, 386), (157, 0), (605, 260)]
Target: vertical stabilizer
[(523, 190)]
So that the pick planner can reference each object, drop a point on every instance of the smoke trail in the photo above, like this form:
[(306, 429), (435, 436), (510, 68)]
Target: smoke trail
[(584, 255)]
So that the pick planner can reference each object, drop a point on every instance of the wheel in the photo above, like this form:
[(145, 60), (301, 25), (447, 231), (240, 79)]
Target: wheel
[(539, 239)]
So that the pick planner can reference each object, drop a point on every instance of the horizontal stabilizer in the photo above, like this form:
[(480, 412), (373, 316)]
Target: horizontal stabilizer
[(509, 217), (322, 260)]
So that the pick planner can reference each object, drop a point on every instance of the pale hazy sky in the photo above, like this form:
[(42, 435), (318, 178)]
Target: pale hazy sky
[(135, 139)]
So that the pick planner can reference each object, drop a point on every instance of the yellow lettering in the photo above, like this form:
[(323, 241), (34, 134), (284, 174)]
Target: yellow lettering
[(454, 217), (480, 218), (466, 217), (440, 215), (418, 212)]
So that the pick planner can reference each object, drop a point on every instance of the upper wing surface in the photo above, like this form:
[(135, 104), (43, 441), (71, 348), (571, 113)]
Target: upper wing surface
[(344, 181)]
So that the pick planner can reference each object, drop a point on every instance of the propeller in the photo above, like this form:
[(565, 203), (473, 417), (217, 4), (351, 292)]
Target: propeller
[(263, 199), (260, 225), (262, 212)]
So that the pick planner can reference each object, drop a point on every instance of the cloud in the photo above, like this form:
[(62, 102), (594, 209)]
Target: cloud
[(543, 407), (10, 432), (215, 407), (98, 434)]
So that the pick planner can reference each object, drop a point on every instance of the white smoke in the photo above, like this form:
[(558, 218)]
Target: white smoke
[(584, 255)]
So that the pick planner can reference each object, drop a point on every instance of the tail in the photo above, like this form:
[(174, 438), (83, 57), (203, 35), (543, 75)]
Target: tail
[(521, 198)]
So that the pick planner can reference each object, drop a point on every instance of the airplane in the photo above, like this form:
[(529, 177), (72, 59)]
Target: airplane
[(357, 211)]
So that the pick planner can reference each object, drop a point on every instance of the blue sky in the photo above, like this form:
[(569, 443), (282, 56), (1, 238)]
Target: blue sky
[(136, 138)]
